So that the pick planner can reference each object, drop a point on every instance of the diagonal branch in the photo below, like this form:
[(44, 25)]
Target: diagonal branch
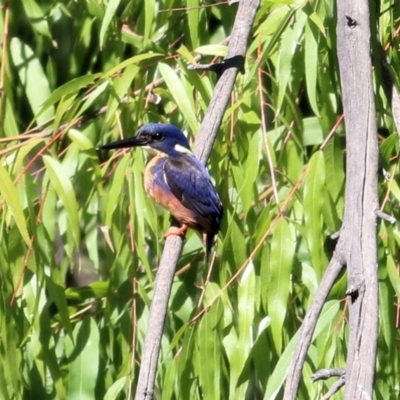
[(204, 141), (310, 322)]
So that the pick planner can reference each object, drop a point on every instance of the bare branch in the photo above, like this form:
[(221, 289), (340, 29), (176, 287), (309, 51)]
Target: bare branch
[(234, 62), (335, 388), (382, 215), (361, 201), (327, 373), (310, 322)]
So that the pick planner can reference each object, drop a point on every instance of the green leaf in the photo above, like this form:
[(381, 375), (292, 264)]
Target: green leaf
[(55, 286), (116, 189), (95, 290), (169, 382), (311, 65), (80, 140), (193, 21), (93, 96), (10, 356), (185, 53), (292, 160), (283, 247), (246, 310), (37, 17), (212, 50), (272, 29), (33, 79), (10, 125), (7, 189), (71, 87), (144, 212), (238, 347), (290, 43), (210, 352), (111, 9), (313, 202), (313, 133), (393, 275), (121, 86), (334, 167), (116, 388), (386, 315), (181, 97), (250, 170), (84, 357), (235, 246), (149, 13), (65, 191), (133, 60), (275, 381)]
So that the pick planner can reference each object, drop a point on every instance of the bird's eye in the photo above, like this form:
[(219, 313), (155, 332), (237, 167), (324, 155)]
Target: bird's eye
[(158, 137)]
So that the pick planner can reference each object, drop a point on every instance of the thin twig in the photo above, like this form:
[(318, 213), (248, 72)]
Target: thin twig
[(332, 132), (386, 217), (334, 388), (310, 321), (327, 373)]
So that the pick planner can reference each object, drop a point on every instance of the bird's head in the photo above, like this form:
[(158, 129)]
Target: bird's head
[(156, 139)]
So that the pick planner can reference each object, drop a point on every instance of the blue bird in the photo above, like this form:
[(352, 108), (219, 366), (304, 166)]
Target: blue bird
[(177, 180)]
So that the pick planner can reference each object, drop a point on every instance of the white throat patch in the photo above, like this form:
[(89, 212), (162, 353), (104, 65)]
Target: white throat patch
[(181, 149)]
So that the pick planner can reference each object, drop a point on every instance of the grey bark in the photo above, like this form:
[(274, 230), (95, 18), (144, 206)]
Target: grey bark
[(359, 228)]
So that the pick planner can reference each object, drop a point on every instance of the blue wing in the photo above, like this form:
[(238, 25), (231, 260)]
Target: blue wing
[(190, 182)]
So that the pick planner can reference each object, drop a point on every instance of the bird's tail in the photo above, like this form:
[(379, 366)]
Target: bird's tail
[(208, 243)]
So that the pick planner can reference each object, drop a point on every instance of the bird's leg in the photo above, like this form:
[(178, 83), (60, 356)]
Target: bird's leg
[(174, 230)]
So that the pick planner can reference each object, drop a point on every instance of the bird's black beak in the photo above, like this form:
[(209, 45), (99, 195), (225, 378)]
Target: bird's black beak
[(124, 143)]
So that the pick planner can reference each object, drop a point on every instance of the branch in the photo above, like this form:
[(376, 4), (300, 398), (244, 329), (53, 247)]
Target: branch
[(334, 388), (310, 322), (361, 201), (327, 373), (234, 62), (204, 141), (382, 215)]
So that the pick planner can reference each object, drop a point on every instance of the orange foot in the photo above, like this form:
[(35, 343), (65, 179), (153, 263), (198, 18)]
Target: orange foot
[(176, 231)]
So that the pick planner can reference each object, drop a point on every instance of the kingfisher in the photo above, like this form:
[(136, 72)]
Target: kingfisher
[(177, 180)]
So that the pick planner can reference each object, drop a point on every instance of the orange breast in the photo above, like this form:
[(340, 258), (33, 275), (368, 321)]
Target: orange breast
[(157, 188)]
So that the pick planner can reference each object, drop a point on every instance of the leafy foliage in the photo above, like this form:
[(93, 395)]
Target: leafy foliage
[(80, 241)]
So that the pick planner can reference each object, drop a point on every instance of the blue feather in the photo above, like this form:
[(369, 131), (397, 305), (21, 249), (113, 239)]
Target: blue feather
[(190, 182)]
